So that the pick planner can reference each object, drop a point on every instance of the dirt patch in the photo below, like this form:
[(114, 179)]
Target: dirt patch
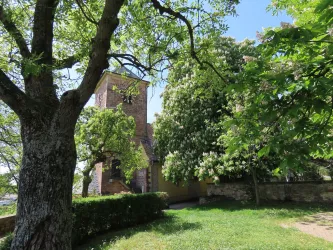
[(319, 225)]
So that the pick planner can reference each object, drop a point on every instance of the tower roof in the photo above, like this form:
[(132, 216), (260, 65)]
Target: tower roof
[(125, 71)]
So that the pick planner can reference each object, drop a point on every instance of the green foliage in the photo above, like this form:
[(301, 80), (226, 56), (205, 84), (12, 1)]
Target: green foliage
[(92, 216), (108, 133), (286, 93), (6, 243), (100, 214), (142, 33), (7, 210), (10, 150), (194, 103)]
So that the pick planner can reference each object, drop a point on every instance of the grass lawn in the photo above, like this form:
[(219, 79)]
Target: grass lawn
[(223, 225)]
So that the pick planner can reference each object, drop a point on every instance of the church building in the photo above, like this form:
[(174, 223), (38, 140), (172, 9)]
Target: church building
[(118, 87)]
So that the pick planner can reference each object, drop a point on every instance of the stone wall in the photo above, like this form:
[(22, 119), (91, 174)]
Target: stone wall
[(278, 191), (235, 191), (7, 224), (298, 191)]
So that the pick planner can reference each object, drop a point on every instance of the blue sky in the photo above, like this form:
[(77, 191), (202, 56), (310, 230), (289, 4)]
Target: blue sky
[(252, 17)]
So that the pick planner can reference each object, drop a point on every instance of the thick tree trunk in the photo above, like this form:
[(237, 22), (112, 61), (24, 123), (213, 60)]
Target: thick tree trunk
[(44, 214), (86, 182)]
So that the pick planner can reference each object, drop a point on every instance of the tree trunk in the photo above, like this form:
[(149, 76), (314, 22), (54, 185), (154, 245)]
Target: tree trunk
[(255, 182), (44, 210), (86, 182)]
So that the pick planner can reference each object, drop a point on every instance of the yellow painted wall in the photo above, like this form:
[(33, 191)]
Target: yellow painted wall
[(203, 186), (178, 193)]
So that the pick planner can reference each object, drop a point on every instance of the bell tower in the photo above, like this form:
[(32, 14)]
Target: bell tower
[(123, 86)]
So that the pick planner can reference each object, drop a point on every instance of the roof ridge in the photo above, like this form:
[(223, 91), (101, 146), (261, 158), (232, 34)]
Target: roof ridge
[(125, 71)]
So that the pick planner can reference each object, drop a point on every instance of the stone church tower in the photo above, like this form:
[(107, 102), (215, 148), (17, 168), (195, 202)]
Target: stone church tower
[(114, 88)]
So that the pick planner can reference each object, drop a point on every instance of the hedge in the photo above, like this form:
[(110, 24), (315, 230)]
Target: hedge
[(100, 214), (92, 216)]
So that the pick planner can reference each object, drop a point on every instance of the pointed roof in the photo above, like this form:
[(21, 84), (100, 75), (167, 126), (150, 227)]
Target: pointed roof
[(125, 71)]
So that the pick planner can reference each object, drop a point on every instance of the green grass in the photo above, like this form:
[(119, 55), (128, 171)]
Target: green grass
[(7, 210), (223, 225)]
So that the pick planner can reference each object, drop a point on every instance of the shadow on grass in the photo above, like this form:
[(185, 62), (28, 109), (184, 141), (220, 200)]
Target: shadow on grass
[(274, 209), (167, 225)]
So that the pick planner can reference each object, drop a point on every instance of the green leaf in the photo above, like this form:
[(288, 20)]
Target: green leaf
[(323, 5), (264, 151)]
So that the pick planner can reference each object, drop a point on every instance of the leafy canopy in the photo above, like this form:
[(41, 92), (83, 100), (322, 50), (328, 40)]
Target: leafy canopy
[(287, 95), (194, 103), (101, 134)]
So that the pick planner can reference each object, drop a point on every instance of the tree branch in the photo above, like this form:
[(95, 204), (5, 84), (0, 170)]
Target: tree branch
[(14, 32), (98, 61), (43, 30), (135, 62), (182, 18), (40, 86), (68, 62), (15, 98), (84, 13)]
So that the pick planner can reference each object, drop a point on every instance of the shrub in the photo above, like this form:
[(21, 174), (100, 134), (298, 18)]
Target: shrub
[(100, 214), (5, 244)]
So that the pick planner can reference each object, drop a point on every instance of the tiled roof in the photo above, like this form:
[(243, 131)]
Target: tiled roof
[(125, 71)]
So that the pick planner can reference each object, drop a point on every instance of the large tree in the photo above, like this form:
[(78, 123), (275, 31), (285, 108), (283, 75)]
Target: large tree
[(41, 37), (195, 103), (287, 94)]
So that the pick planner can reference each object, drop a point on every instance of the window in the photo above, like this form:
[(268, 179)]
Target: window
[(127, 99), (115, 171)]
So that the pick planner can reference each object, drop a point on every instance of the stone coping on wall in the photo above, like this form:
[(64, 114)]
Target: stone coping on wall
[(272, 182), (294, 182)]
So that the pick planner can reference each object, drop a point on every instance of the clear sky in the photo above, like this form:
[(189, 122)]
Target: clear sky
[(252, 17)]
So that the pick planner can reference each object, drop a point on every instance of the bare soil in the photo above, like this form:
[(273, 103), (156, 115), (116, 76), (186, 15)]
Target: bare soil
[(319, 225)]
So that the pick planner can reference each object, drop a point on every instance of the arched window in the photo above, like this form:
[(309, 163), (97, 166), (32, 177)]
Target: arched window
[(115, 171)]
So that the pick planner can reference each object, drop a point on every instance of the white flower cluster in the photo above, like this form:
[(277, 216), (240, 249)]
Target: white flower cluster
[(249, 58)]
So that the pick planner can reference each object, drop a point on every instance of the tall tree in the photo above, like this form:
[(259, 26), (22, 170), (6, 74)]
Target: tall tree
[(188, 129), (103, 134), (287, 95), (41, 37)]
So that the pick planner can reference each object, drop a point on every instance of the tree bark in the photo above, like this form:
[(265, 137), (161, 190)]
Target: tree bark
[(44, 214), (85, 184), (255, 184)]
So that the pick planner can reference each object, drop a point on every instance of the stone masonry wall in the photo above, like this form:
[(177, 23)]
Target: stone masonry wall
[(236, 191), (7, 224), (278, 191), (307, 191)]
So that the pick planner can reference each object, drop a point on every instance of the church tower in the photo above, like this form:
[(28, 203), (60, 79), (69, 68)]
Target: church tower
[(123, 86)]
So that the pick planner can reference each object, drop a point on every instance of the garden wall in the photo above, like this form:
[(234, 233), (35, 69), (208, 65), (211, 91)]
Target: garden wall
[(7, 224), (278, 191)]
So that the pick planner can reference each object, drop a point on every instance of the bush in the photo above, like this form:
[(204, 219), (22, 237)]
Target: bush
[(100, 214), (5, 244)]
